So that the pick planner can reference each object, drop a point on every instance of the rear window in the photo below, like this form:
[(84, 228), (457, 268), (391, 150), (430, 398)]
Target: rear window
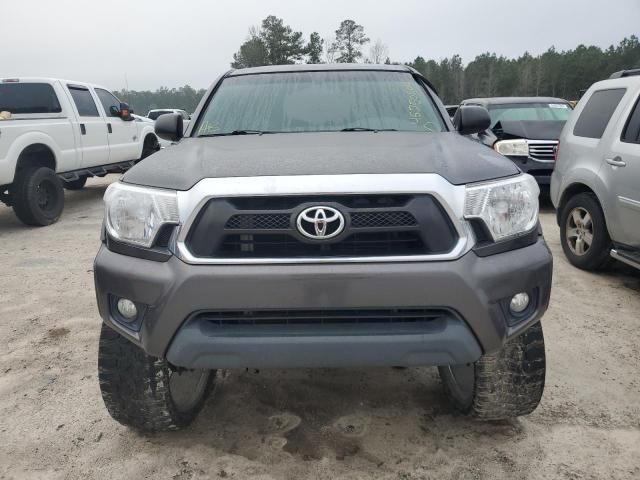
[(20, 98), (529, 112), (597, 112)]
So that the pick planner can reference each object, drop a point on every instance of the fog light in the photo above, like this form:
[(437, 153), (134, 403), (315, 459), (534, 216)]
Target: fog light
[(519, 302), (127, 309)]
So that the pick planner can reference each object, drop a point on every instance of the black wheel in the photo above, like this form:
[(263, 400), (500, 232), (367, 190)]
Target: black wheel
[(501, 385), (77, 184), (150, 146), (38, 196), (583, 233), (146, 393)]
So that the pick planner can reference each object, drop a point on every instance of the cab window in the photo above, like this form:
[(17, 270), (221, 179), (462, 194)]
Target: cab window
[(108, 100), (84, 101)]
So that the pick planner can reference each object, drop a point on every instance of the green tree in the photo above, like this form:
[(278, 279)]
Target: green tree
[(273, 44), (314, 48), (284, 46), (350, 38), (252, 53)]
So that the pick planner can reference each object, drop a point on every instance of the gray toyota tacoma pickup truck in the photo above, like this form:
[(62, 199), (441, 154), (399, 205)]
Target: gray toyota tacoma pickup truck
[(321, 216)]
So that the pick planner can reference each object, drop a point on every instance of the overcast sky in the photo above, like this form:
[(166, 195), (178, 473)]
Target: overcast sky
[(173, 43)]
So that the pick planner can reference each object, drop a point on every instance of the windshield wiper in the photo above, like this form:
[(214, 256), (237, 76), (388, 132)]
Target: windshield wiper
[(236, 132), (365, 129)]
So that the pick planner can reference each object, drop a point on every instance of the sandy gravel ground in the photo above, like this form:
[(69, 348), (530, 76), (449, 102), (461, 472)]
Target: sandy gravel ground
[(298, 424)]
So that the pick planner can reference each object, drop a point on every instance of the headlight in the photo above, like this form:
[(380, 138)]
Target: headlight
[(513, 148), (508, 207), (136, 214)]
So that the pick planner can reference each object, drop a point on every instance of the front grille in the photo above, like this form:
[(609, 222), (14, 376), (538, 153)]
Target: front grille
[(289, 202), (542, 150), (235, 318), (370, 244), (282, 221), (375, 226)]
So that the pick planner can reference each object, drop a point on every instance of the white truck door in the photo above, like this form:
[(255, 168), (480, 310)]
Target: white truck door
[(124, 143), (91, 127)]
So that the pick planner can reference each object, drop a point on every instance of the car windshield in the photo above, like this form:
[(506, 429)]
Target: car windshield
[(156, 113), (320, 101), (529, 112)]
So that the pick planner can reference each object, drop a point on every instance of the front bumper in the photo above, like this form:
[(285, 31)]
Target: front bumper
[(539, 170), (471, 288)]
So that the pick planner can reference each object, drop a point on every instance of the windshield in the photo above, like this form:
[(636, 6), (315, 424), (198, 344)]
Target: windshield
[(320, 101), (529, 112), (156, 113)]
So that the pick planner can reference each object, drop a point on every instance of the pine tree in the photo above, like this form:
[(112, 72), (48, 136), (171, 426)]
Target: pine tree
[(350, 38)]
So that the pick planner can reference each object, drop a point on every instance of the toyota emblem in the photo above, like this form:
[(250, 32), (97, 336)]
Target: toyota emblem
[(320, 222)]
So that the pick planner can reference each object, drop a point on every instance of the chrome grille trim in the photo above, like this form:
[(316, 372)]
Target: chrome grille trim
[(542, 150), (451, 197)]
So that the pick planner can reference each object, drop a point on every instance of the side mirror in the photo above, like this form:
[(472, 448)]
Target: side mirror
[(170, 127), (470, 119)]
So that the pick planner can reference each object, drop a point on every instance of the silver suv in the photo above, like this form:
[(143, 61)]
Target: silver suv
[(596, 183)]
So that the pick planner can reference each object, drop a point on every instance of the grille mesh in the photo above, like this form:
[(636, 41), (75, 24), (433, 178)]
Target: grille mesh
[(382, 219), (281, 221), (321, 317), (359, 244), (262, 221)]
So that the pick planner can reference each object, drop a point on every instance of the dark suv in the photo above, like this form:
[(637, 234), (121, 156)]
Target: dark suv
[(321, 216), (526, 130)]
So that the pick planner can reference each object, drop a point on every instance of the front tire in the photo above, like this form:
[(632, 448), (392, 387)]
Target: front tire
[(37, 196), (583, 233), (144, 392), (501, 385)]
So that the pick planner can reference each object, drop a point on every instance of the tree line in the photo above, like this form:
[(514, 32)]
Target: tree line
[(185, 98), (565, 74)]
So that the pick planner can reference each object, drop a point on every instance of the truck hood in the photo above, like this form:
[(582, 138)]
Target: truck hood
[(456, 158), (530, 130)]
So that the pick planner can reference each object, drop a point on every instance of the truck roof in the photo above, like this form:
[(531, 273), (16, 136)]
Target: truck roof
[(320, 67), (48, 80)]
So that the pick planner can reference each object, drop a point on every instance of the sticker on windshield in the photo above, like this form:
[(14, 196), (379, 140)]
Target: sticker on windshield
[(415, 110), (208, 128), (558, 105)]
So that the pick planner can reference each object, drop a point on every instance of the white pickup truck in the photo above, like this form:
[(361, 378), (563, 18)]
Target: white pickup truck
[(54, 134)]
